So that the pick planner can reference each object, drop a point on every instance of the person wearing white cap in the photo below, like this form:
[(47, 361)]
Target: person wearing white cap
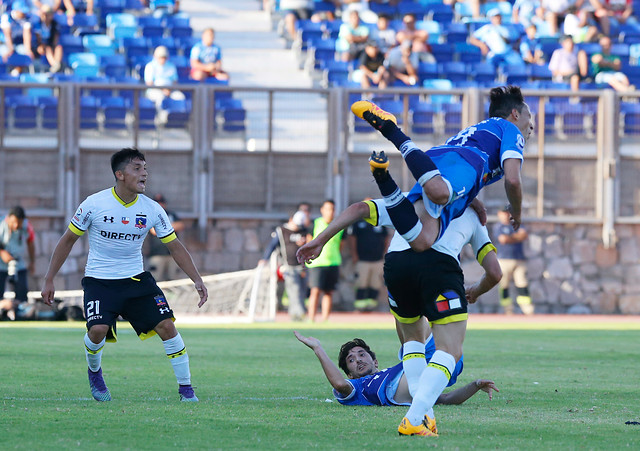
[(161, 73), (493, 41)]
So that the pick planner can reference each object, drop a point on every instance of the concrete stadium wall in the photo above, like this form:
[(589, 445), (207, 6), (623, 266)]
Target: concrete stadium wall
[(570, 270)]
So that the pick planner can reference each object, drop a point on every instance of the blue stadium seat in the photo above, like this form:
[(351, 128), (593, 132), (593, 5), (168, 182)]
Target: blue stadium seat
[(411, 8), (468, 53), (23, 62), (455, 71), (36, 78), (431, 27), (154, 21), (114, 110), (440, 12), (71, 44), (483, 72), (335, 73), (99, 44), (232, 116), (180, 32), (324, 6), (516, 73), (423, 118), (48, 106), (126, 19), (133, 47), (181, 20), (25, 111), (149, 31), (631, 117), (428, 70), (147, 114), (452, 117), (114, 65), (383, 8), (133, 5), (167, 41), (88, 112), (440, 85), (462, 11), (84, 23), (176, 113), (540, 72), (84, 64), (322, 51), (107, 7), (456, 32), (504, 7), (443, 52)]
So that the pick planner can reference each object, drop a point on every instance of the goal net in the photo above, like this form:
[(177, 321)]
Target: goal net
[(234, 297)]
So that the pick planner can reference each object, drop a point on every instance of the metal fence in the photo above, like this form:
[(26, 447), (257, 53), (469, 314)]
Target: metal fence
[(285, 146)]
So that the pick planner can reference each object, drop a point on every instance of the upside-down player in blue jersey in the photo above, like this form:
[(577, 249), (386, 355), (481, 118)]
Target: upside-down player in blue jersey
[(450, 176), (366, 385)]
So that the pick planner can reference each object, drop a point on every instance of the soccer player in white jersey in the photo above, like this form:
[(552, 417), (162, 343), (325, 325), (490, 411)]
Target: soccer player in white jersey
[(115, 283), (429, 284)]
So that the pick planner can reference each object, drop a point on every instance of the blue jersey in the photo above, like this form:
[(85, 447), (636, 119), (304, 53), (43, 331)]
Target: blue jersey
[(379, 388), (493, 140)]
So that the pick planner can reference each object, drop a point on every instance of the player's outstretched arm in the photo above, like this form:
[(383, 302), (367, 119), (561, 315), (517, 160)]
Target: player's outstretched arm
[(460, 395), (59, 256), (183, 258), (490, 278), (331, 371), (312, 249), (513, 188)]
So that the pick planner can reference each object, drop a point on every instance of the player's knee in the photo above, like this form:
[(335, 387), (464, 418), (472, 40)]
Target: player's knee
[(98, 332), (437, 191), (166, 329)]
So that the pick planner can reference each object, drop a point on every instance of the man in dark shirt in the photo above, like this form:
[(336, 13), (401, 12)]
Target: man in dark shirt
[(288, 238), (510, 246), (368, 245)]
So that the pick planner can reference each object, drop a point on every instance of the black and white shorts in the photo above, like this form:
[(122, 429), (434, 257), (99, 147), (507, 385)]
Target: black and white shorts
[(429, 284), (137, 299)]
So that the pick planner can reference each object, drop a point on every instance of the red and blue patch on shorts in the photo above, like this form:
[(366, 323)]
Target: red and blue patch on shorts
[(449, 300)]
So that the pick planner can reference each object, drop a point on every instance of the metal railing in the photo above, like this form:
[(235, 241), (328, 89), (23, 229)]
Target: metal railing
[(297, 145)]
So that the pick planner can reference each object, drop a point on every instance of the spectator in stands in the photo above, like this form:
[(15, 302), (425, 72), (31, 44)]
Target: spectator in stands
[(17, 28), (161, 264), (362, 6), (606, 68), (620, 12), (161, 73), (578, 27), (16, 242), (352, 37), (564, 63), (57, 6), (292, 11), (371, 66), (530, 47), (409, 32), (384, 34), (554, 12), (493, 40), (47, 38), (206, 58), (86, 5), (594, 12), (402, 64), (527, 12)]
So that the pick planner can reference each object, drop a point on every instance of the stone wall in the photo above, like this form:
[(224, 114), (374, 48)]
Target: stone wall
[(569, 268)]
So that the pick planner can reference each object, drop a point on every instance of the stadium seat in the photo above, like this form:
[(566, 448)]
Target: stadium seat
[(134, 47), (483, 72), (24, 62), (324, 50), (452, 117), (99, 44), (181, 32), (411, 8), (114, 111), (133, 5), (181, 20), (455, 71), (431, 27), (48, 106), (146, 114), (443, 52), (539, 72), (631, 118), (154, 21), (428, 71), (84, 64), (176, 113), (126, 19), (505, 9), (423, 118), (335, 73), (84, 23), (440, 85), (36, 78), (232, 116), (468, 53), (456, 32), (71, 44), (88, 112), (167, 41), (114, 65), (515, 74), (149, 31), (383, 8), (462, 11), (25, 111), (440, 12)]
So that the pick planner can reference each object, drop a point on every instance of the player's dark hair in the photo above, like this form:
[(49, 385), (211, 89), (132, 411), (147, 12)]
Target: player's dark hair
[(504, 99), (123, 157), (18, 212), (348, 346), (329, 201)]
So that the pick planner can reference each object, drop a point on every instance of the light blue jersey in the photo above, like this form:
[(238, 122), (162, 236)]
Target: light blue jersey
[(469, 161)]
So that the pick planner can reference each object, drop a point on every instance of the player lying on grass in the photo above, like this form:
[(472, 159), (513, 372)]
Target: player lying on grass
[(366, 385)]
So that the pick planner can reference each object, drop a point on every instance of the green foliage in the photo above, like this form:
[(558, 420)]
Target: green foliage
[(261, 388)]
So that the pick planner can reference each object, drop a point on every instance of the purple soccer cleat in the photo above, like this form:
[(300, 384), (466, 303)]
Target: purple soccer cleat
[(187, 394), (99, 389)]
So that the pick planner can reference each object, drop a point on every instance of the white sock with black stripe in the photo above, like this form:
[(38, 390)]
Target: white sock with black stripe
[(433, 381), (93, 352), (413, 363), (177, 353)]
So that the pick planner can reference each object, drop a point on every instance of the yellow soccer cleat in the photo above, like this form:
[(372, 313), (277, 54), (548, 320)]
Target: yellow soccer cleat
[(371, 113), (431, 424), (378, 161), (406, 428)]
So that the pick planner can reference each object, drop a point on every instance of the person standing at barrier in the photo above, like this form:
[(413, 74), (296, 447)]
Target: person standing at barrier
[(117, 220), (17, 240), (288, 238), (324, 271), (510, 245), (368, 244), (161, 265)]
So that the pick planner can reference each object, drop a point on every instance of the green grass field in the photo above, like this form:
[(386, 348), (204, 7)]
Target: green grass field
[(262, 389)]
